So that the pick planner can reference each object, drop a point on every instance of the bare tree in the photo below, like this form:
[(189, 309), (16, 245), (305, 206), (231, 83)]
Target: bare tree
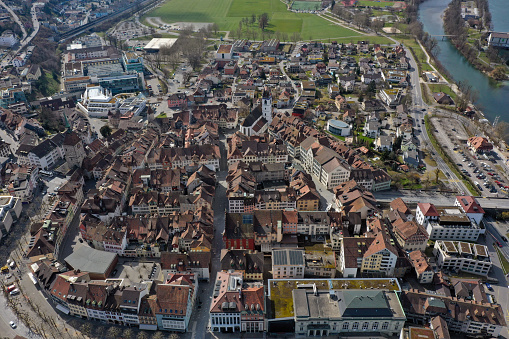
[(128, 333), (263, 20)]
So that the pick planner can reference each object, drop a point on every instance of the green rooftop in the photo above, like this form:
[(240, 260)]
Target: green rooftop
[(280, 290)]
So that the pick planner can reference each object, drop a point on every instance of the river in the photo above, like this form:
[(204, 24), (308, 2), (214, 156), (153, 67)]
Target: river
[(493, 100)]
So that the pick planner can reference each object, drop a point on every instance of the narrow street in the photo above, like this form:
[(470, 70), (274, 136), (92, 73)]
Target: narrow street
[(199, 320)]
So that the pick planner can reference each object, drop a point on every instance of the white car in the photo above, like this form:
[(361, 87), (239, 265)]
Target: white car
[(13, 324)]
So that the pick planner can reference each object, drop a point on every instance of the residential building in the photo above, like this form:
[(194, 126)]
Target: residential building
[(453, 224), (10, 210), (462, 256), (235, 308), (421, 266), (288, 264), (463, 317), (250, 263), (410, 235), (47, 153), (20, 180), (471, 207), (174, 301)]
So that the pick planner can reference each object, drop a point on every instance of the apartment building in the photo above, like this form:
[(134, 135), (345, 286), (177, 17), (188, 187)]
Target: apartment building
[(465, 317), (471, 207), (421, 266), (288, 264), (462, 256), (235, 307), (452, 224), (10, 210), (47, 153)]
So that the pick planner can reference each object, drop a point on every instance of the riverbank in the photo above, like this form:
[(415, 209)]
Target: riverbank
[(468, 29)]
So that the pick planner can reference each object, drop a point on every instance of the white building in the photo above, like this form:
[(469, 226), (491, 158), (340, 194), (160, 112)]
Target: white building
[(8, 39), (135, 104), (471, 207), (462, 256), (338, 127), (47, 153), (97, 102), (452, 224), (10, 210), (341, 313), (288, 264)]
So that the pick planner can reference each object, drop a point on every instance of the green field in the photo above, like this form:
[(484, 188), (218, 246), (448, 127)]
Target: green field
[(375, 3), (306, 5), (435, 88), (228, 13)]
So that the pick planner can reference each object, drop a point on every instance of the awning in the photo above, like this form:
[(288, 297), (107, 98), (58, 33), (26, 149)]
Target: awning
[(63, 309), (31, 276), (148, 327)]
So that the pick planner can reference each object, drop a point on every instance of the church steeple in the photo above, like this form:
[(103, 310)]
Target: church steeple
[(267, 105)]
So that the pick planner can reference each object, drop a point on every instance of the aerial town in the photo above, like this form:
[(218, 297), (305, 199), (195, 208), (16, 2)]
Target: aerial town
[(233, 176)]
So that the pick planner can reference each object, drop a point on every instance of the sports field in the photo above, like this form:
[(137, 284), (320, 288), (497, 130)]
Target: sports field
[(375, 3), (307, 5), (228, 13)]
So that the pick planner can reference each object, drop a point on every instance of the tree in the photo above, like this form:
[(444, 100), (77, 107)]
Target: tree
[(113, 332), (377, 25), (437, 172), (158, 335), (128, 333), (253, 19), (215, 27), (142, 335), (263, 20), (499, 73), (86, 329), (105, 131)]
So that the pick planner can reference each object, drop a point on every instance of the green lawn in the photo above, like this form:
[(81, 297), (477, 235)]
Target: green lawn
[(443, 88), (503, 261), (228, 13), (375, 3)]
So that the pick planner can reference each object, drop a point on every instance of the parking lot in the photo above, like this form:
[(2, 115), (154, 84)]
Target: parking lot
[(453, 137), (129, 30)]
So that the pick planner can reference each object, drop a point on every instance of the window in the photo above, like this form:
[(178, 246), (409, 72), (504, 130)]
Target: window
[(346, 326), (375, 326), (385, 325), (365, 325), (355, 326)]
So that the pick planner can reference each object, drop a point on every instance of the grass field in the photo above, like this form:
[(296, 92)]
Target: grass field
[(306, 5), (228, 13), (375, 3)]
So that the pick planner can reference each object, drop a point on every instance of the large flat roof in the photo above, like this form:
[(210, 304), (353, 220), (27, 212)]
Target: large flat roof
[(87, 259), (280, 290), (157, 43)]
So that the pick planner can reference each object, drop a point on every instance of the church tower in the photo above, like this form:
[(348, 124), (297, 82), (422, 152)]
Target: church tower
[(267, 105)]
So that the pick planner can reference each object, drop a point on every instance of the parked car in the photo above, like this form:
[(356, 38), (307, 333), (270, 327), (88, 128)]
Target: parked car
[(12, 324), (14, 292), (489, 287), (504, 238)]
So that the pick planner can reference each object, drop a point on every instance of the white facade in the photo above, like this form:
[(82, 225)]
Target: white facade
[(462, 256), (97, 102), (8, 40), (437, 231)]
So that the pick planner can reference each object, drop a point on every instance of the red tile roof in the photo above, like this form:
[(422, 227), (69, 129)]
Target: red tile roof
[(428, 209), (469, 204)]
